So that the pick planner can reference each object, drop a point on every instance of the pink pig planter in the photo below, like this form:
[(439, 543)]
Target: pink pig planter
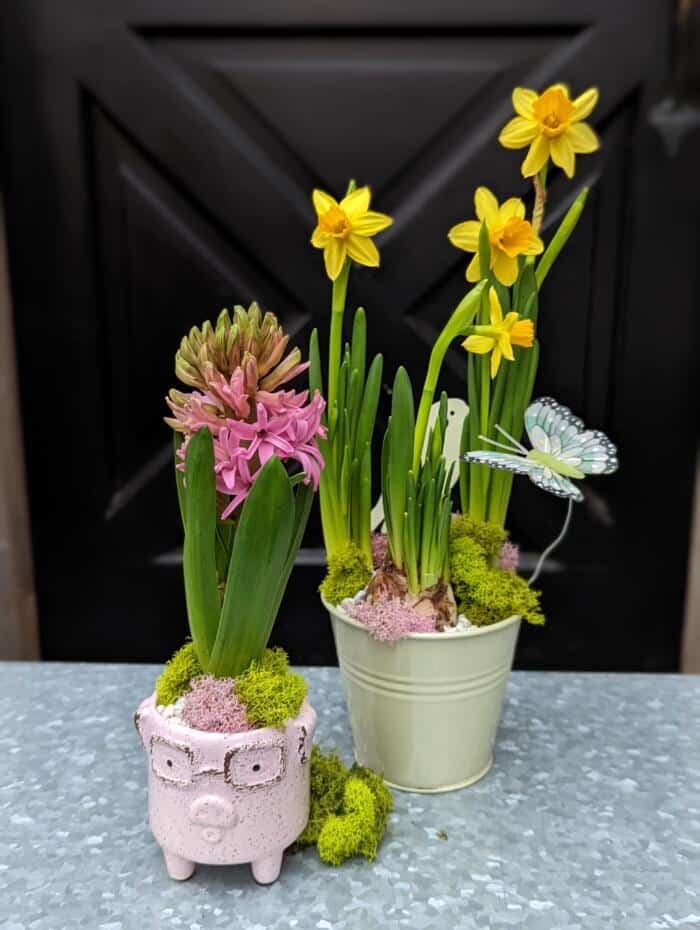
[(226, 798)]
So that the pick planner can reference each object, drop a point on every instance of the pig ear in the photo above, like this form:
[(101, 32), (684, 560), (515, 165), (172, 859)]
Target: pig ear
[(143, 722), (304, 743)]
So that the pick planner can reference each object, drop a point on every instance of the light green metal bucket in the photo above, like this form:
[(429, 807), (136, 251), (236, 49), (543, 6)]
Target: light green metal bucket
[(424, 711)]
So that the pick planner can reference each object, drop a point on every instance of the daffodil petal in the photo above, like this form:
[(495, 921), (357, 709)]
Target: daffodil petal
[(465, 235), (505, 268), (486, 205), (563, 154), (512, 207), (583, 105), (357, 203), (362, 250), (370, 223), (319, 238), (495, 312), (517, 133), (474, 269), (536, 246), (523, 98), (480, 345), (583, 139), (323, 201), (536, 157), (505, 347), (564, 88), (334, 257), (495, 361)]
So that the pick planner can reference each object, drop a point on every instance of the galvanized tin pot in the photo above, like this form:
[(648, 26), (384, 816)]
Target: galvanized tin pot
[(424, 711), (226, 798)]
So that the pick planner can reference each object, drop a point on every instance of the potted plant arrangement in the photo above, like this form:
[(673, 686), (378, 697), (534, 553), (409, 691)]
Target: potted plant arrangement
[(228, 730), (426, 614)]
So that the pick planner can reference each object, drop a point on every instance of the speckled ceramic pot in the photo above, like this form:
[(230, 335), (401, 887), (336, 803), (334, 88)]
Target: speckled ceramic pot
[(424, 711), (225, 799)]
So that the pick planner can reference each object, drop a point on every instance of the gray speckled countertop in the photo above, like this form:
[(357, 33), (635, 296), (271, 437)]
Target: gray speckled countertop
[(590, 818)]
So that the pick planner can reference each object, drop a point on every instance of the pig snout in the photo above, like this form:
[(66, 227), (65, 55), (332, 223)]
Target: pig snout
[(214, 815)]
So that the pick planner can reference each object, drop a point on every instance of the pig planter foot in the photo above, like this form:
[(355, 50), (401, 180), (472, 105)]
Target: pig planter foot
[(178, 868), (267, 870)]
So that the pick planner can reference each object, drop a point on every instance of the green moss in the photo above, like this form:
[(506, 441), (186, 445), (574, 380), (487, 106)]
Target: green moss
[(349, 810), (271, 693), (328, 778), (348, 572), (490, 536), (497, 594), (175, 678), (348, 834), (485, 594)]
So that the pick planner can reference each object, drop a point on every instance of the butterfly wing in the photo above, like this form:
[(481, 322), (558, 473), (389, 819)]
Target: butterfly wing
[(554, 429), (543, 477), (515, 463), (550, 481)]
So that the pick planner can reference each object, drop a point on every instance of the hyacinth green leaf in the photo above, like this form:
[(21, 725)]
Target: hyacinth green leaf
[(260, 552), (303, 499), (199, 555), (178, 440), (224, 541)]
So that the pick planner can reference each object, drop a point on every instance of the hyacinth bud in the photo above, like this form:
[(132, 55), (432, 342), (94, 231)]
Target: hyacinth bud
[(243, 339)]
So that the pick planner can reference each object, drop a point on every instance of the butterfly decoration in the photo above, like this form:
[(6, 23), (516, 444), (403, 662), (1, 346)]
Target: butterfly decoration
[(562, 449)]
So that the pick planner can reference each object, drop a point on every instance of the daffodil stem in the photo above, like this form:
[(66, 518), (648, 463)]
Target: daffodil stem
[(561, 237), (461, 318), (540, 184), (485, 394), (338, 298)]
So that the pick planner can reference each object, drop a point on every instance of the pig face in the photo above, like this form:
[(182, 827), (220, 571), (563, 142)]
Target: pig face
[(226, 798)]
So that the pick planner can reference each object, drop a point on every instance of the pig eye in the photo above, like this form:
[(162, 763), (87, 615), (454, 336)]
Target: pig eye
[(170, 762), (258, 765)]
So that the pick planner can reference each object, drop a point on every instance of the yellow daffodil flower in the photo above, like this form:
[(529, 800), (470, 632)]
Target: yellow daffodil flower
[(510, 235), (552, 125), (344, 229), (500, 337)]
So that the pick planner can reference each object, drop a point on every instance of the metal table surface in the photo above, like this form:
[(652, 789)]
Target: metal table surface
[(589, 818)]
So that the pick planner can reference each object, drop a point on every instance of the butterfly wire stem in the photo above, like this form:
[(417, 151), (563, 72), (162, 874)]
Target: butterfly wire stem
[(553, 545)]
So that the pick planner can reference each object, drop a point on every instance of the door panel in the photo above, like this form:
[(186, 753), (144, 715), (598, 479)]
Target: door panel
[(158, 166)]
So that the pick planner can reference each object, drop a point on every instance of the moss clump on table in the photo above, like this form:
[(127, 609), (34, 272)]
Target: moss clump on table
[(174, 680), (272, 694), (349, 571), (349, 810), (486, 594)]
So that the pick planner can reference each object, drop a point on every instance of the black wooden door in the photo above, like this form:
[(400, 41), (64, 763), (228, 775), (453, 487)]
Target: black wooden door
[(158, 160)]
